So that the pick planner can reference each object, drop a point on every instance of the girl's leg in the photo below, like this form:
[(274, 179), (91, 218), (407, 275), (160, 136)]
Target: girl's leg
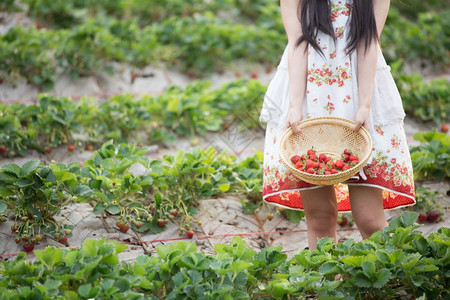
[(321, 213), (367, 209)]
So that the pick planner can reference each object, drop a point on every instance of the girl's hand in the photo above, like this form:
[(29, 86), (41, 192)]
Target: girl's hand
[(294, 116), (362, 118)]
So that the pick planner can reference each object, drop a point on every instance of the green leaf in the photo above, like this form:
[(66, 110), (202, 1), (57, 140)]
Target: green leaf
[(361, 280), (369, 269), (113, 209), (383, 277), (408, 218), (82, 190), (29, 167), (84, 290), (294, 215)]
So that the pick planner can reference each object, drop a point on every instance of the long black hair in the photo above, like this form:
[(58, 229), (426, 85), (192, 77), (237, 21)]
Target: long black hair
[(315, 15)]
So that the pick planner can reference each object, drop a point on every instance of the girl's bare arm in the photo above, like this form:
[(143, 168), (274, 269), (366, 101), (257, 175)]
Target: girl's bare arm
[(297, 59)]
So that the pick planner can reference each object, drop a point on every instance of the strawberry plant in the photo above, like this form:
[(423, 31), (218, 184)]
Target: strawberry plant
[(429, 101), (428, 205), (386, 265), (431, 159), (116, 190), (35, 193)]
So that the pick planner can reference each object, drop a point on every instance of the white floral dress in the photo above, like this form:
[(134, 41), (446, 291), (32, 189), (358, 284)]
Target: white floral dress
[(332, 91)]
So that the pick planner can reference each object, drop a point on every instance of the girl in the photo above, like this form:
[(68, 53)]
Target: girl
[(333, 66)]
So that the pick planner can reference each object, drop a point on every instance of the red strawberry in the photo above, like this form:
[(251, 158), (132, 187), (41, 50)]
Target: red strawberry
[(174, 212), (133, 76), (63, 240), (238, 74), (310, 171), (189, 234), (71, 147), (254, 75), (48, 150), (295, 159), (315, 164), (423, 218), (309, 164), (322, 158), (327, 173), (339, 164), (138, 224), (14, 228), (343, 221), (353, 158), (314, 157), (17, 239), (310, 152), (444, 128), (347, 152), (304, 157), (28, 247), (161, 223), (120, 224), (2, 149), (432, 216), (345, 167), (1, 80), (125, 228), (334, 171), (346, 158), (299, 165), (327, 159)]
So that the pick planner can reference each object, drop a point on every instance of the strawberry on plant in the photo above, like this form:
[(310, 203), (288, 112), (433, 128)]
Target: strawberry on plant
[(2, 149), (120, 224), (71, 147), (161, 223), (444, 128), (270, 217), (199, 222), (125, 228), (422, 218), (67, 232), (254, 75), (14, 228), (17, 239), (189, 234), (48, 150), (432, 216), (28, 247), (38, 238), (56, 236), (63, 240), (174, 212), (343, 221)]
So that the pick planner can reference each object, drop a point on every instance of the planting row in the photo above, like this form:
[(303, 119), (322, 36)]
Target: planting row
[(196, 36), (170, 188), (396, 263), (191, 111)]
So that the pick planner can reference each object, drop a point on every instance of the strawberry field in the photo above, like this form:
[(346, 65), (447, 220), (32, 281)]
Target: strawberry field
[(131, 157)]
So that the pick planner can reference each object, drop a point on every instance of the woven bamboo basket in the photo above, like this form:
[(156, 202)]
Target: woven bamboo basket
[(330, 136)]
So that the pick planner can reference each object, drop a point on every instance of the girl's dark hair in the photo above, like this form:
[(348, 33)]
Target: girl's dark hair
[(315, 15)]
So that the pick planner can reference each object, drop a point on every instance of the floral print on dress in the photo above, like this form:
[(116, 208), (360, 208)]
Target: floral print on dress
[(395, 141), (325, 75)]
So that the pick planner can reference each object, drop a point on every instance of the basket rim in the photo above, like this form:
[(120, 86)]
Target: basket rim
[(332, 178)]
